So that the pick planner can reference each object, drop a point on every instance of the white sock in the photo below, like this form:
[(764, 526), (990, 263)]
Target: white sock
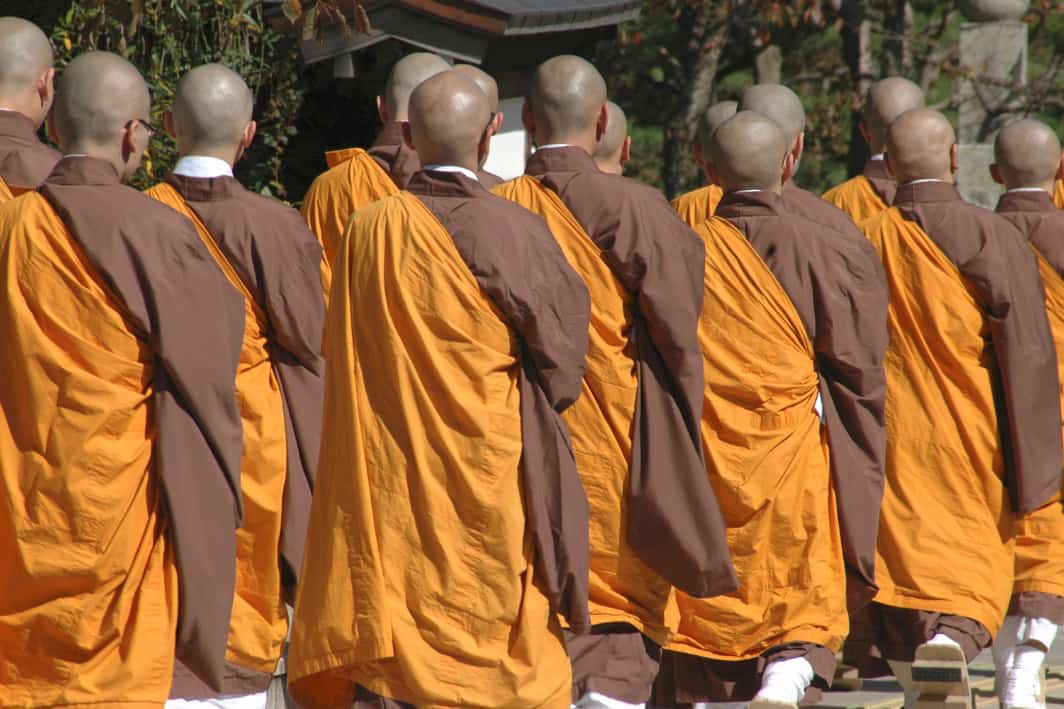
[(719, 705), (1004, 649), (594, 700), (942, 639), (1022, 687), (785, 681), (1040, 631)]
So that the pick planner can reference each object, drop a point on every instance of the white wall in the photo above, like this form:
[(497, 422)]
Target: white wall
[(509, 147)]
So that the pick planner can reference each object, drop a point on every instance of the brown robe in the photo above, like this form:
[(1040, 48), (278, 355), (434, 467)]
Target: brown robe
[(278, 260), (674, 524), (393, 155), (842, 410), (489, 180), (180, 301), (24, 160)]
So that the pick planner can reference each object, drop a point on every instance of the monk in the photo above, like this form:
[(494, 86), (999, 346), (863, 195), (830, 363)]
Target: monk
[(1027, 161), (358, 177), (448, 524), (697, 206), (801, 307), (872, 191), (273, 260), (615, 148), (487, 84), (636, 436), (120, 436), (26, 93), (973, 420)]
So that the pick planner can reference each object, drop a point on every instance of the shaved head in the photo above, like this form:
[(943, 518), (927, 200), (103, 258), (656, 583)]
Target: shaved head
[(920, 146), (484, 80), (608, 152), (747, 152), (1027, 154), (448, 120), (567, 99), (25, 63), (711, 120), (212, 110), (407, 75), (888, 99), (780, 104)]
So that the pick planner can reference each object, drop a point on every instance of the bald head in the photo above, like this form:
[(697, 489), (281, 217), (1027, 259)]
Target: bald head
[(484, 80), (1027, 154), (612, 151), (920, 146), (102, 98), (780, 104), (711, 120), (888, 99), (747, 152), (567, 102), (212, 112), (448, 120), (407, 74), (25, 69)]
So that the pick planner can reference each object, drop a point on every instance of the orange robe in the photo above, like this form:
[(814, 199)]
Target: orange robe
[(622, 588), (259, 622), (1058, 196), (947, 525), (88, 584), (865, 195), (418, 575), (697, 206), (5, 192), (768, 463)]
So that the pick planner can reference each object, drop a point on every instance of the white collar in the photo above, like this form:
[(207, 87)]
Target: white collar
[(1026, 189), (202, 166), (878, 156), (453, 168), (747, 191), (926, 179), (554, 145)]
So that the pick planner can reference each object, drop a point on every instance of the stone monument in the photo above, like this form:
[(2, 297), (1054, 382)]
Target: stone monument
[(993, 59)]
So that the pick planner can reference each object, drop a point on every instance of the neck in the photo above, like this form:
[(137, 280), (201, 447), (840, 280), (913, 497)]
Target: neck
[(1047, 186), (8, 103), (469, 163), (587, 143), (225, 154), (96, 153)]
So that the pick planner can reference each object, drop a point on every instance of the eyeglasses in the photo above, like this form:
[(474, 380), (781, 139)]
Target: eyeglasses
[(152, 130)]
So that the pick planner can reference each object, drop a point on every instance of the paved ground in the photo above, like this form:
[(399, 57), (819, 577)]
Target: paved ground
[(885, 693)]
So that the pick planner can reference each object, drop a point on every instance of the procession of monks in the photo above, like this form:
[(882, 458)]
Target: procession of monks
[(445, 440)]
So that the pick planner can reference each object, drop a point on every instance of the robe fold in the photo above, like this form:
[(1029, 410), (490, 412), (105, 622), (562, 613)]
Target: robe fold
[(355, 178), (271, 257), (867, 194), (24, 160), (698, 205), (1038, 590), (973, 406), (120, 445), (654, 522), (794, 304), (424, 571), (5, 192), (1058, 196)]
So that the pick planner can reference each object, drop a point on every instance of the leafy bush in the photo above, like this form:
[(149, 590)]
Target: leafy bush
[(166, 38)]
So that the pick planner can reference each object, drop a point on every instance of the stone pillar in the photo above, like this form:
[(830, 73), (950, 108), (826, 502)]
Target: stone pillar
[(993, 46)]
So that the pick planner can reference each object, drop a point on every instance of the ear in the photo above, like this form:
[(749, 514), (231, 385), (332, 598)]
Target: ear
[(484, 147), (496, 125), (169, 127), (1060, 169), (129, 142), (864, 132), (249, 134), (995, 174), (49, 128), (787, 168), (626, 150), (799, 147), (382, 110), (602, 122), (528, 120), (408, 135), (46, 87), (954, 162)]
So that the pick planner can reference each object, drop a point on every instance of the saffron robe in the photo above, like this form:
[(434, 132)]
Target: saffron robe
[(1038, 590), (1058, 196), (973, 407), (271, 257), (119, 445), (355, 178), (456, 333), (794, 304), (698, 205), (867, 194), (630, 429), (5, 192), (24, 160)]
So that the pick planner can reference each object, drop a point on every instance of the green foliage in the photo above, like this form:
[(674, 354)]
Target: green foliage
[(166, 38)]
